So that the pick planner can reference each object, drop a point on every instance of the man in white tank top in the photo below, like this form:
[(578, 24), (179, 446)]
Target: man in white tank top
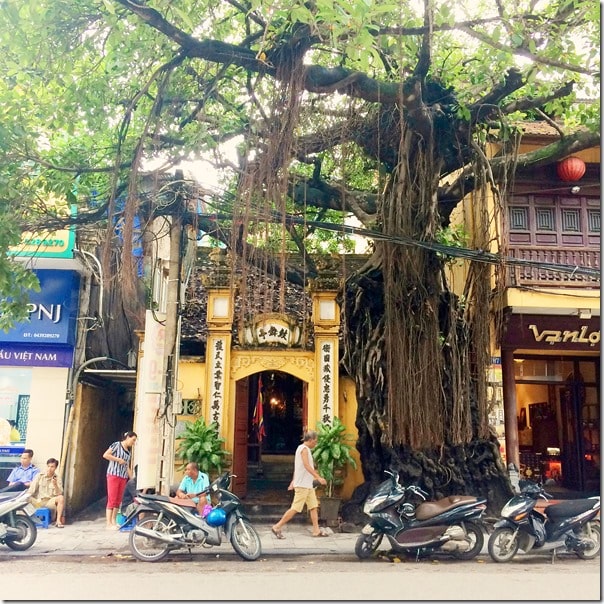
[(302, 484)]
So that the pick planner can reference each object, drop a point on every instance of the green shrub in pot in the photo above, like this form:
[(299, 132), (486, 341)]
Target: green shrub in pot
[(332, 453), (201, 443)]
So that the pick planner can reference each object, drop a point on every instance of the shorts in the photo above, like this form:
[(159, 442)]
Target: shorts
[(50, 503), (304, 496)]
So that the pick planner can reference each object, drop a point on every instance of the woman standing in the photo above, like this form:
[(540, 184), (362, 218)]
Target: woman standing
[(118, 472)]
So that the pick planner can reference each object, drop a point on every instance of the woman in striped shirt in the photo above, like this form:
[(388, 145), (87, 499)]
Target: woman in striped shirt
[(118, 473)]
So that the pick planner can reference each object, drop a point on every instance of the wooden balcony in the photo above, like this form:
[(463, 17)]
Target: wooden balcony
[(535, 276)]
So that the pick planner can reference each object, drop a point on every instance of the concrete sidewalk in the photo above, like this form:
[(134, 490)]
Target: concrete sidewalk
[(90, 537)]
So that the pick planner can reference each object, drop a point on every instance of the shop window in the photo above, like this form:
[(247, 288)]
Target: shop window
[(15, 385)]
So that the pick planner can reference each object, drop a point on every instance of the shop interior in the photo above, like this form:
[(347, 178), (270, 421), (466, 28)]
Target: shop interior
[(558, 414)]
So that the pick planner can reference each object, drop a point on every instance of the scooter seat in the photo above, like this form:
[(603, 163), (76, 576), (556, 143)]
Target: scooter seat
[(429, 509), (185, 503), (567, 509)]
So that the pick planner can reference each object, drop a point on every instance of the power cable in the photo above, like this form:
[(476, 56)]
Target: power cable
[(441, 248)]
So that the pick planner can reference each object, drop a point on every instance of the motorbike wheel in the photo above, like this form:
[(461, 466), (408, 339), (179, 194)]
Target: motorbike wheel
[(503, 544), (28, 531), (148, 549), (245, 540), (590, 531), (366, 545), (475, 537)]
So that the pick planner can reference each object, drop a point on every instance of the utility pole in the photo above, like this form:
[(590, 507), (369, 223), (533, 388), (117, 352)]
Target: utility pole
[(171, 355)]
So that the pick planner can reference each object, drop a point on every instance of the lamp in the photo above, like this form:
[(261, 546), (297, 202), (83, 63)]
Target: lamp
[(570, 169)]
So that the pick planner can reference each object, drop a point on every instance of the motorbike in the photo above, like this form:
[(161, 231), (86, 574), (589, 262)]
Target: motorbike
[(571, 525), (450, 525), (161, 524), (17, 530)]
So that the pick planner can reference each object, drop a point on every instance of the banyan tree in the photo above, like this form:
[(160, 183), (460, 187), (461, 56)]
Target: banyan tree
[(383, 114)]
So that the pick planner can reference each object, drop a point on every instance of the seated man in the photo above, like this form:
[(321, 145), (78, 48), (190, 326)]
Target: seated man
[(21, 477), (46, 491), (194, 482)]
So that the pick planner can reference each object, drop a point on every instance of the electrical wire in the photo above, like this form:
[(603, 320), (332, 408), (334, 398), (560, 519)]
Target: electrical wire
[(441, 248)]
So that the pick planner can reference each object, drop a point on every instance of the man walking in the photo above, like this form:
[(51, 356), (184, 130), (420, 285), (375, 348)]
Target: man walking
[(302, 484)]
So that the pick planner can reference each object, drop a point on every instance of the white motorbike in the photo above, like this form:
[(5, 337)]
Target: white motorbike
[(17, 530)]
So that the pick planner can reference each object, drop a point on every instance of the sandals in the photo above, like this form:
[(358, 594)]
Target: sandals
[(320, 535), (277, 533), (59, 525)]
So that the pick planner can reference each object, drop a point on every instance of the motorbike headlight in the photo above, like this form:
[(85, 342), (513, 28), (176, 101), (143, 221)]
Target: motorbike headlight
[(373, 503), (511, 508)]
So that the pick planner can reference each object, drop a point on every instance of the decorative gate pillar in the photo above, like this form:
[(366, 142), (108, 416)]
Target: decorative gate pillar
[(326, 322), (219, 322)]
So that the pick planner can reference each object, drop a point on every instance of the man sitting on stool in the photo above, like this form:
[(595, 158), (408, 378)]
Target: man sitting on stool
[(46, 491)]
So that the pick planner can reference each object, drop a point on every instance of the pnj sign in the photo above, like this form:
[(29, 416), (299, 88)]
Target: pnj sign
[(52, 311)]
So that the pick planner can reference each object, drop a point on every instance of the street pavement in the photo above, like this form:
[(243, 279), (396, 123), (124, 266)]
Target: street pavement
[(88, 536)]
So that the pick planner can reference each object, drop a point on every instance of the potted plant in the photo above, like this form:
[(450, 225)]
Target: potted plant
[(332, 456), (202, 444)]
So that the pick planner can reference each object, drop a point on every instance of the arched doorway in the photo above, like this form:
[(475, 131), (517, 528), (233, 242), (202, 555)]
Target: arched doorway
[(265, 463)]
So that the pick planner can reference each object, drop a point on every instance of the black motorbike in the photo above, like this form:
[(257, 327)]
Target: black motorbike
[(447, 525), (571, 525), (17, 530), (162, 524)]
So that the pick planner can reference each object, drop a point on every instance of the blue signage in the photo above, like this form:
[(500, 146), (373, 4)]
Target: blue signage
[(12, 450), (52, 311), (16, 355)]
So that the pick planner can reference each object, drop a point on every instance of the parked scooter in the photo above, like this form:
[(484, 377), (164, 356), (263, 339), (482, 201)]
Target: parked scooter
[(571, 525), (17, 529), (166, 523), (447, 525)]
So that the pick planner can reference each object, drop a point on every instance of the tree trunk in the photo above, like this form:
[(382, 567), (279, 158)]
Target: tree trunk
[(472, 467)]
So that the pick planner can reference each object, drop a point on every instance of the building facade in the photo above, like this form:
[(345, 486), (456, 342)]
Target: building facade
[(544, 381), (37, 356)]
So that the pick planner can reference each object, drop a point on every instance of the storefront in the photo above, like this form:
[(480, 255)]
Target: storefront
[(551, 390), (35, 359)]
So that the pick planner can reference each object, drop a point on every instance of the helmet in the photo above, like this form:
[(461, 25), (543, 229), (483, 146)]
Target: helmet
[(217, 517)]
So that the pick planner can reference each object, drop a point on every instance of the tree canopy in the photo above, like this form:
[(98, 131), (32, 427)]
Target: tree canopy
[(376, 110)]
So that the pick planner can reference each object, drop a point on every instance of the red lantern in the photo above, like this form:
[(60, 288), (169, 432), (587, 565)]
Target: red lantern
[(570, 169)]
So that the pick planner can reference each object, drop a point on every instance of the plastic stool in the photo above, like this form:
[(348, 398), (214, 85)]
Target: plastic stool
[(43, 515), (129, 526)]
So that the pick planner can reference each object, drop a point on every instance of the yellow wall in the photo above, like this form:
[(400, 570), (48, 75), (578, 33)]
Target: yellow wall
[(347, 415), (553, 299), (191, 377)]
